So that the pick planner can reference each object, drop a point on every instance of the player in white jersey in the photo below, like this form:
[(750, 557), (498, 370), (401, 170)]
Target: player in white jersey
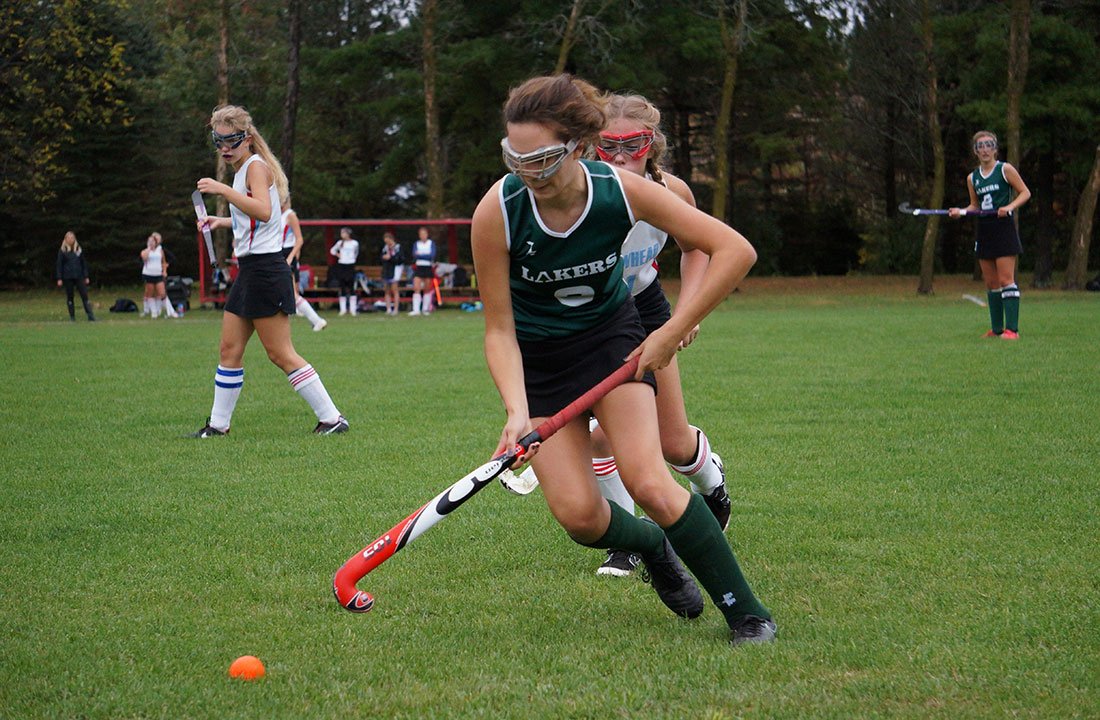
[(423, 273), (346, 250), (262, 298), (154, 269), (292, 251)]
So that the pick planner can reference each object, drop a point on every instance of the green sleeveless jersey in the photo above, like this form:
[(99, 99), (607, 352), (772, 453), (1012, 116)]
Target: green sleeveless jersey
[(992, 191), (564, 283)]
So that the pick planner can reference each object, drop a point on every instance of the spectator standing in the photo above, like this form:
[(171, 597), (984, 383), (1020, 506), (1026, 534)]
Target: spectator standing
[(423, 273), (346, 251), (393, 267), (72, 274)]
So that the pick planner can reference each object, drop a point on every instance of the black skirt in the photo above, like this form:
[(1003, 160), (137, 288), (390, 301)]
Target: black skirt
[(293, 265), (558, 371), (653, 308), (264, 287), (997, 237)]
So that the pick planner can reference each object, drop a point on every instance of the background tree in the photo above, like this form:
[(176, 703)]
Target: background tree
[(1077, 268), (935, 195)]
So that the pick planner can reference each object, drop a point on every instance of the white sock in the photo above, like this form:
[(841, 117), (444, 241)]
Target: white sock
[(353, 304), (703, 471), (416, 302), (308, 384), (156, 307), (306, 310), (428, 301), (343, 304), (168, 309), (611, 485), (145, 310), (227, 388)]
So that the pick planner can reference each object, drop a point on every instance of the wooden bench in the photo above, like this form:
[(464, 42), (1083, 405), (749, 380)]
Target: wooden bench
[(370, 286)]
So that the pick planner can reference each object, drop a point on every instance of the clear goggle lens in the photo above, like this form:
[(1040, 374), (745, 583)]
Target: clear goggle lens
[(538, 164), (231, 141), (981, 144), (633, 145)]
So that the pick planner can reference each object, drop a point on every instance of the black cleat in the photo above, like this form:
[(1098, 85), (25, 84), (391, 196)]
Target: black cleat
[(752, 629), (718, 500), (332, 428), (674, 586), (208, 432), (619, 563)]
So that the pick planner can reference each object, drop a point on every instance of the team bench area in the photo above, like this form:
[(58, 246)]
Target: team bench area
[(456, 284)]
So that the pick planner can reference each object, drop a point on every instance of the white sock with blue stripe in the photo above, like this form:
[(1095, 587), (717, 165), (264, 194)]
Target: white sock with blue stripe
[(227, 388)]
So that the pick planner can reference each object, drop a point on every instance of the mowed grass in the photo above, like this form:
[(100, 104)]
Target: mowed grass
[(917, 506)]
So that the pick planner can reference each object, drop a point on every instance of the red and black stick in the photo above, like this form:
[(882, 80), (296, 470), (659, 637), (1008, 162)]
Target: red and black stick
[(415, 525)]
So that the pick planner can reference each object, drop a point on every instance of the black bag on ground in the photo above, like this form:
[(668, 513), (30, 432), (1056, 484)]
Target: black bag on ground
[(124, 305)]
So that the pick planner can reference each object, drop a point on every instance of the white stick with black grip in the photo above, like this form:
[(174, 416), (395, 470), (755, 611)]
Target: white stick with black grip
[(200, 213)]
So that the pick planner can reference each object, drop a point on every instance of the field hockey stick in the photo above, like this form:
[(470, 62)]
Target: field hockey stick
[(438, 295), (907, 210), (200, 213), (415, 525)]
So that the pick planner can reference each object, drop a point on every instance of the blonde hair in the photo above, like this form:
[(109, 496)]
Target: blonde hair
[(157, 236), (573, 107), (645, 113), (238, 118), (74, 247)]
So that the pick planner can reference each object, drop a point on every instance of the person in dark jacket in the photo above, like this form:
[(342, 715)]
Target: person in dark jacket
[(72, 273)]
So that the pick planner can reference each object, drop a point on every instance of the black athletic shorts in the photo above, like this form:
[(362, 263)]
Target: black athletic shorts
[(558, 371), (264, 287), (294, 265), (653, 308), (997, 237), (423, 271), (154, 279)]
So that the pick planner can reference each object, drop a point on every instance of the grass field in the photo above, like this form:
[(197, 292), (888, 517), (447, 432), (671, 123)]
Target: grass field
[(918, 507)]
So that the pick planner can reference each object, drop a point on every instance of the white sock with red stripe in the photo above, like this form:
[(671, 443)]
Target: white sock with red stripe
[(227, 388), (306, 310), (702, 471), (611, 485), (308, 384)]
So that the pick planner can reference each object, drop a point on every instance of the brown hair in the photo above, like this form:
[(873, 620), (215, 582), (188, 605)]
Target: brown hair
[(573, 107), (981, 134), (238, 118), (645, 113)]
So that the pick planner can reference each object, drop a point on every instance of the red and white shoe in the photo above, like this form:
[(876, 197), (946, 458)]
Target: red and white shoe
[(990, 333), (1010, 335)]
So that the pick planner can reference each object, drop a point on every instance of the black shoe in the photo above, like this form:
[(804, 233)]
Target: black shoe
[(619, 563), (674, 586), (208, 432), (91, 318), (752, 629), (718, 500), (332, 428)]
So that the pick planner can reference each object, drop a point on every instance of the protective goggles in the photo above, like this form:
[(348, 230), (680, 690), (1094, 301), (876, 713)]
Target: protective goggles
[(991, 144), (634, 145), (231, 141), (538, 164)]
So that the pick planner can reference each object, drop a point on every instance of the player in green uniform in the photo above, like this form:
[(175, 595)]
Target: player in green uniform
[(998, 243), (558, 318)]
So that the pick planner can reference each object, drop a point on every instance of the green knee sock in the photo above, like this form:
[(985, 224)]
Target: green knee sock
[(996, 310), (702, 547), (626, 532), (1011, 295)]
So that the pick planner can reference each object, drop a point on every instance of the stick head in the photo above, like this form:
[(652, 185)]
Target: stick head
[(908, 209)]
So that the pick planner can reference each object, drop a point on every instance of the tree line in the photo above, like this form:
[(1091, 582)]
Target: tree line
[(802, 123)]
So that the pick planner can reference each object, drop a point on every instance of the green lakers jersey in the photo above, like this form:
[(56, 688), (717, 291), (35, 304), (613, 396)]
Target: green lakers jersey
[(992, 191), (564, 283)]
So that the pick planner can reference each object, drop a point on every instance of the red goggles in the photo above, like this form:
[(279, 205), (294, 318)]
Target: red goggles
[(634, 145)]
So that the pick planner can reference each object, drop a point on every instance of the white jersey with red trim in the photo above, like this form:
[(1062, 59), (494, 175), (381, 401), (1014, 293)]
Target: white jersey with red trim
[(250, 236)]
